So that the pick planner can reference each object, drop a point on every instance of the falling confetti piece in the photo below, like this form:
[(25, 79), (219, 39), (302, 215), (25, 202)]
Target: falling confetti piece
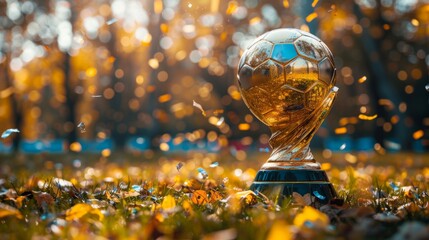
[(362, 79), (203, 172), (179, 166), (418, 134), (243, 126), (318, 195), (232, 7), (314, 3), (311, 17), (215, 164), (8, 132), (343, 146), (164, 98), (427, 87), (96, 96), (197, 105), (341, 130), (394, 186), (220, 121), (285, 3), (81, 126), (111, 21), (366, 117), (264, 149)]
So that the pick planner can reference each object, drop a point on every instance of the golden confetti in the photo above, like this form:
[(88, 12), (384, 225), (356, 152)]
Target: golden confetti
[(197, 105), (387, 103), (418, 134), (286, 3), (164, 98), (366, 117), (341, 130), (362, 79), (311, 17), (314, 3), (232, 7), (243, 126)]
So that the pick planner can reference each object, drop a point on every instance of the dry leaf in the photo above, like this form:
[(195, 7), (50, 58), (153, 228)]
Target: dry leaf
[(6, 210), (200, 197), (81, 209), (305, 200), (312, 215), (215, 196), (43, 198), (280, 231)]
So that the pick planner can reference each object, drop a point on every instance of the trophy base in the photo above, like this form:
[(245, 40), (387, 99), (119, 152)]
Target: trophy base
[(278, 184)]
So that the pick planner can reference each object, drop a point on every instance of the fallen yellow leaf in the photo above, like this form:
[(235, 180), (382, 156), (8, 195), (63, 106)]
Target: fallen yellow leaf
[(310, 214), (81, 209), (6, 210), (168, 202), (280, 231)]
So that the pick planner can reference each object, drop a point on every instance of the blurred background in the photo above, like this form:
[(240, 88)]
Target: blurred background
[(136, 75)]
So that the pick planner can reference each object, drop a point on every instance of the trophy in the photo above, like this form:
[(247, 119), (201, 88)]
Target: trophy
[(286, 78)]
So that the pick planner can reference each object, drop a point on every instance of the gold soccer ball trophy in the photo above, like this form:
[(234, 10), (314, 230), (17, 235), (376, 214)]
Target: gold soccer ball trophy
[(286, 78)]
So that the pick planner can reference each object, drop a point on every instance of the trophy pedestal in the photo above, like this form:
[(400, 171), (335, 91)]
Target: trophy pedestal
[(278, 184)]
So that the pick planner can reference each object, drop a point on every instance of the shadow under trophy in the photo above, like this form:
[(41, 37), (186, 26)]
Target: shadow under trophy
[(286, 78)]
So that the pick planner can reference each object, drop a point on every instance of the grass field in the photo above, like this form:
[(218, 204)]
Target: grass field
[(199, 195)]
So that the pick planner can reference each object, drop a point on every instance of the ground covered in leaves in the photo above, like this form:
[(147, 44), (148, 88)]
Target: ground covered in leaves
[(199, 195)]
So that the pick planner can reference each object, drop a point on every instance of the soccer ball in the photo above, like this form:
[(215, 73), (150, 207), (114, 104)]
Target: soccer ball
[(284, 75)]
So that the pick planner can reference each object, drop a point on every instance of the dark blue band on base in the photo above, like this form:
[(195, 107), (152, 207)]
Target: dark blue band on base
[(280, 184)]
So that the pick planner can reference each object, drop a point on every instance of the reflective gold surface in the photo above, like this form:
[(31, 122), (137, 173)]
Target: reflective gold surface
[(286, 78)]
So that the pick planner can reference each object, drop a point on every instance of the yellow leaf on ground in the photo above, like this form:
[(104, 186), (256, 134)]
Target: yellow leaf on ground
[(310, 214), (81, 209), (280, 231), (6, 210), (168, 202)]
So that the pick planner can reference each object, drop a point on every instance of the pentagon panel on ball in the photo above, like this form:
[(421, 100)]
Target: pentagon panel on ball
[(286, 78)]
